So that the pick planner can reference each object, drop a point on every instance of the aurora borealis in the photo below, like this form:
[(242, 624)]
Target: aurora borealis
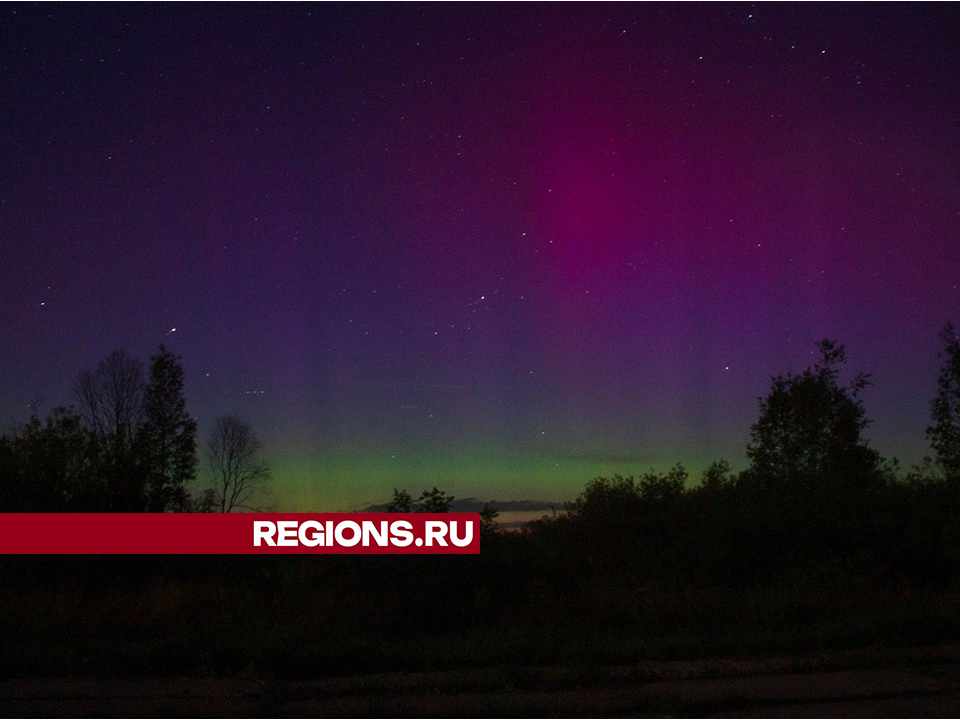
[(496, 248)]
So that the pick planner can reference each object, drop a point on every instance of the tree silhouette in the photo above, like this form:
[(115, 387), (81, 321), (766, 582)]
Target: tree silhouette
[(944, 433), (430, 501), (402, 502), (111, 397), (488, 520), (168, 436), (434, 501), (717, 476), (239, 471), (111, 402), (49, 466), (810, 426)]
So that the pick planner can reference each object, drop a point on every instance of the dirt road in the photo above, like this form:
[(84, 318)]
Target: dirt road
[(900, 683)]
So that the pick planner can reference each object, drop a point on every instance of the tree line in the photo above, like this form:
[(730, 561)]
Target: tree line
[(816, 506), (128, 444), (819, 543)]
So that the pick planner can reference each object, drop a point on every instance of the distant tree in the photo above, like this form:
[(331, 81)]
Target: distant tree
[(111, 396), (926, 472), (812, 427), (111, 402), (717, 476), (402, 502), (168, 436), (205, 502), (619, 500), (488, 520), (236, 462), (430, 501), (944, 433), (624, 521), (603, 496), (434, 501), (663, 486), (45, 467), (10, 485)]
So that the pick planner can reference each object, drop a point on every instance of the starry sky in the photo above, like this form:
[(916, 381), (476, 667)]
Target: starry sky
[(497, 248)]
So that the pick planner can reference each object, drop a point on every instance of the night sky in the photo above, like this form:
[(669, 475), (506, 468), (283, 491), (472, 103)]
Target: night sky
[(497, 248)]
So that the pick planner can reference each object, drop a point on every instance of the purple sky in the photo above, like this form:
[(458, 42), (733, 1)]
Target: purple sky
[(499, 248)]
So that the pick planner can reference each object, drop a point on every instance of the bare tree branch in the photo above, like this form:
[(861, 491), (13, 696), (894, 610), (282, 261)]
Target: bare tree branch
[(236, 462), (111, 397)]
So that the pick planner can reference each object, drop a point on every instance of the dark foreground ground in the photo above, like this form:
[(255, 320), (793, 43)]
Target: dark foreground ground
[(863, 683)]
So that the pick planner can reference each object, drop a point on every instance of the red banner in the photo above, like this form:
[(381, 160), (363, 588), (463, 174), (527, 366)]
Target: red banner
[(240, 533)]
